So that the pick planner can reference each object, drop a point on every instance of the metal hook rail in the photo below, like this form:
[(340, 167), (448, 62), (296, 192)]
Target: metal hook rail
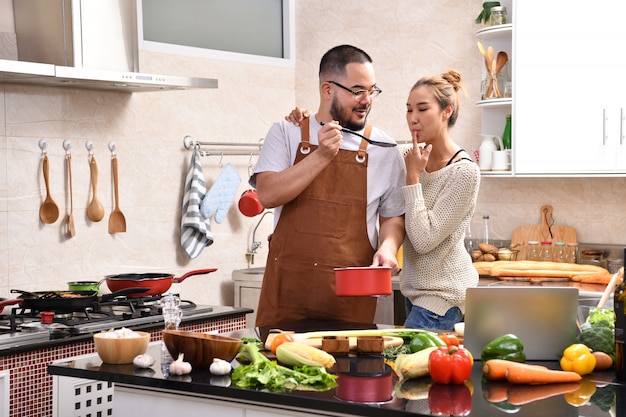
[(223, 148)]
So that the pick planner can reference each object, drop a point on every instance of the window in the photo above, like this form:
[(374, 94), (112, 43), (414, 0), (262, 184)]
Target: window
[(258, 31)]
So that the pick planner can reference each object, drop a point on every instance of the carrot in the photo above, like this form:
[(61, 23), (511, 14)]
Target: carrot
[(524, 394), (496, 391), (495, 369), (532, 374)]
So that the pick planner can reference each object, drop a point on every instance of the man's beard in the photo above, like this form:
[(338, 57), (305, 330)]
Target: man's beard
[(342, 115)]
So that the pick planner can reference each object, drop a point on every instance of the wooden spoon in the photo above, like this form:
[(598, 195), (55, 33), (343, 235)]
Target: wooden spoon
[(95, 210), (49, 211), (481, 48), (70, 216), (117, 221)]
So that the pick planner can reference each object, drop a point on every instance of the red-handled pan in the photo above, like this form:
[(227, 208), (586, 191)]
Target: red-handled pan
[(158, 283), (4, 302)]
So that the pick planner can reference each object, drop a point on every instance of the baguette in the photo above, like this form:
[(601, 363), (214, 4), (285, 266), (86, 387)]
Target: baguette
[(593, 278), (540, 269)]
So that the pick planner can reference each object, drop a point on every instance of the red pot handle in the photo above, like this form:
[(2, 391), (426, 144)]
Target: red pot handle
[(195, 272), (5, 303)]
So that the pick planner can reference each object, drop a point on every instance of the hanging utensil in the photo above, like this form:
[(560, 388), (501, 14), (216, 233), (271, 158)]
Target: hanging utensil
[(49, 211), (95, 210), (70, 216), (117, 221)]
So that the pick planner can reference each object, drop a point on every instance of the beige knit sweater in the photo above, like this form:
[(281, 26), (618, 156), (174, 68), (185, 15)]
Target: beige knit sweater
[(436, 266)]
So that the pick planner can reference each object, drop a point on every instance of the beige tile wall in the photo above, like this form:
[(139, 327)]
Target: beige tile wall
[(406, 39)]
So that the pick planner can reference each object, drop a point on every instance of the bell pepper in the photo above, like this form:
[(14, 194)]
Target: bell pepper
[(425, 340), (449, 365), (449, 400), (507, 347), (578, 358)]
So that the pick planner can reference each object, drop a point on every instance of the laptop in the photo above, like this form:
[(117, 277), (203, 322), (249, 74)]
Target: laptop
[(544, 318)]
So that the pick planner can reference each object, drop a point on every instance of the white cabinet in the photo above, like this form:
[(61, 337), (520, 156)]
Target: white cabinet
[(4, 392), (569, 102)]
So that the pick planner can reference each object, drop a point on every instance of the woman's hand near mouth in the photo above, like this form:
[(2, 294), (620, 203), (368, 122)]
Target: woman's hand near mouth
[(416, 160)]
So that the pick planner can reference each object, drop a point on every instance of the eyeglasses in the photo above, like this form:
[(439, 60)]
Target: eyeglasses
[(361, 94)]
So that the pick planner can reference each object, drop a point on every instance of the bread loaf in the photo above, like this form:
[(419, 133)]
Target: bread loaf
[(539, 269)]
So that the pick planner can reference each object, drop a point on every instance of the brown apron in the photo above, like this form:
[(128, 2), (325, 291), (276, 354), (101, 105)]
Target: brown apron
[(325, 227)]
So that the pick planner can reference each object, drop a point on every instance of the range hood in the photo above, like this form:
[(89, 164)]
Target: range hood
[(22, 72), (83, 44)]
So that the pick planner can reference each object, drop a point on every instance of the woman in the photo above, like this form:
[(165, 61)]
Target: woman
[(440, 198)]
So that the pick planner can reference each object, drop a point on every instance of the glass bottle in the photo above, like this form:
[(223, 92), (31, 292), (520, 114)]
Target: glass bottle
[(485, 237), (498, 16), (572, 252), (546, 251), (533, 253), (619, 304), (560, 252), (506, 135)]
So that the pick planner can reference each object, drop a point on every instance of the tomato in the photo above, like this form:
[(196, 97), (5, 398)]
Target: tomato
[(449, 339), (450, 365), (279, 340)]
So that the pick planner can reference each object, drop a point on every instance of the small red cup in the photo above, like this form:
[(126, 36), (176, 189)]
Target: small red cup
[(249, 204)]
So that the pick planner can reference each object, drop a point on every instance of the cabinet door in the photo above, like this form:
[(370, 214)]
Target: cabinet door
[(566, 89)]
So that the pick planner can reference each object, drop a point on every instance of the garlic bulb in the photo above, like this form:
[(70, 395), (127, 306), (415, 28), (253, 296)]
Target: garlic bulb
[(179, 367), (143, 361), (220, 367)]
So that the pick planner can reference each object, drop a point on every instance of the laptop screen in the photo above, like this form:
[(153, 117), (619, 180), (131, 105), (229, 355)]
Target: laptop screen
[(544, 318)]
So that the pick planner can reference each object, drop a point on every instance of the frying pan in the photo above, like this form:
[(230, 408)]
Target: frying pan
[(157, 283), (66, 300)]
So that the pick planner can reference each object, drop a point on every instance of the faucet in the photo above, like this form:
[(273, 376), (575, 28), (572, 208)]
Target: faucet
[(255, 244)]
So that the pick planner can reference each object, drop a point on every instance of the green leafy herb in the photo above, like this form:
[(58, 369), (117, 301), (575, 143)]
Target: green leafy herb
[(265, 374)]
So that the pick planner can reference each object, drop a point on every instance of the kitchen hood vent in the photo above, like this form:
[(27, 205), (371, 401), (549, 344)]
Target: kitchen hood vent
[(20, 72), (83, 44)]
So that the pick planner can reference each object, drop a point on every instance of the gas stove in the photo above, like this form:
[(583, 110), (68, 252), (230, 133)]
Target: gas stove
[(128, 312)]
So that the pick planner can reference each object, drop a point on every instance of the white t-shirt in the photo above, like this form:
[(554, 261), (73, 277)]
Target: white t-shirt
[(386, 173)]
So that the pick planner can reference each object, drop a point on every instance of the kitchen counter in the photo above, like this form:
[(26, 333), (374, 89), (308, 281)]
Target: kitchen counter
[(152, 393)]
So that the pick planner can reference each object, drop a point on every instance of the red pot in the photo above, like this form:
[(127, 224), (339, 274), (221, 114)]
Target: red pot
[(363, 281), (374, 385), (158, 283)]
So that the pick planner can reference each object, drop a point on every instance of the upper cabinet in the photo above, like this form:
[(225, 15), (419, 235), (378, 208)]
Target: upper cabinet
[(568, 104)]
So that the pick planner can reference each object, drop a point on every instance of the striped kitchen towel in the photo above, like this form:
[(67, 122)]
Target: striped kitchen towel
[(195, 229)]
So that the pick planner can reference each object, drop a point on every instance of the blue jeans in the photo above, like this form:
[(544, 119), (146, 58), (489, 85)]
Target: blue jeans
[(420, 318)]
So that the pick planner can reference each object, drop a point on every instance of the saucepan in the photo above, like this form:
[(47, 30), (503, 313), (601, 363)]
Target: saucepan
[(158, 283), (85, 285), (363, 281)]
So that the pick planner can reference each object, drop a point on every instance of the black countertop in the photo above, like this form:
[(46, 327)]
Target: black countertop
[(359, 393)]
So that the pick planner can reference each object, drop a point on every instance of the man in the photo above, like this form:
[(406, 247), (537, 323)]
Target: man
[(330, 189)]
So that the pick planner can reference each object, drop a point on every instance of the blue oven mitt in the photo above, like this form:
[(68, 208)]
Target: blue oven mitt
[(219, 198)]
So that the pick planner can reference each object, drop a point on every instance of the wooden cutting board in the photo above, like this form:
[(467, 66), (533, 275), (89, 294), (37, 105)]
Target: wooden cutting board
[(545, 231)]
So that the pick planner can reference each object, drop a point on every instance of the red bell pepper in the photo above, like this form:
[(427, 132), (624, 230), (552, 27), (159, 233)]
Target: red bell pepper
[(450, 365), (450, 400)]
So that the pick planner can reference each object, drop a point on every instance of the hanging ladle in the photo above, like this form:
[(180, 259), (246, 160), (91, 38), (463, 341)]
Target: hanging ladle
[(49, 211), (117, 221), (95, 210)]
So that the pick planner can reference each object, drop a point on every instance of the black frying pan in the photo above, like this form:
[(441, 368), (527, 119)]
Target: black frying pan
[(67, 300)]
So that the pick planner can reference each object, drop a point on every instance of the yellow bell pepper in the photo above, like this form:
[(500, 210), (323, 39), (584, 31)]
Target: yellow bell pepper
[(578, 358)]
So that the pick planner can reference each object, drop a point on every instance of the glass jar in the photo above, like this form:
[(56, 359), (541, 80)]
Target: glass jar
[(498, 16), (533, 252), (546, 251), (572, 252), (560, 252)]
